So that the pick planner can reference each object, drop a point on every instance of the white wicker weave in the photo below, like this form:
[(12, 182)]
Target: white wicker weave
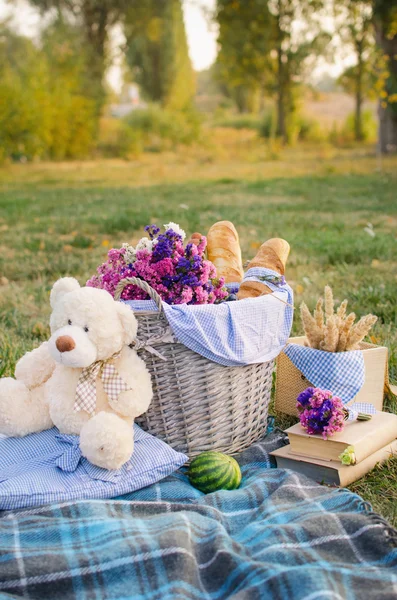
[(198, 405)]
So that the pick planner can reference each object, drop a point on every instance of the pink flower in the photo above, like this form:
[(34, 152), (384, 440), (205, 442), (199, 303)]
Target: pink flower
[(179, 275), (320, 412)]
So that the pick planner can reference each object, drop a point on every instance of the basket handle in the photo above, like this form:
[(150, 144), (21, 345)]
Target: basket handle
[(141, 284)]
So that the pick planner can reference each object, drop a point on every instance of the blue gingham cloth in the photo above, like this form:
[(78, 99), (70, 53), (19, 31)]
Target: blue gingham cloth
[(279, 536), (48, 467), (343, 373), (249, 331), (360, 407)]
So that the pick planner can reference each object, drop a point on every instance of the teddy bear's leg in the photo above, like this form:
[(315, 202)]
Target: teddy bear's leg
[(107, 441), (22, 410)]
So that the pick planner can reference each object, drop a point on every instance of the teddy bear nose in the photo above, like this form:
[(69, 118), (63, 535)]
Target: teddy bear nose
[(65, 343)]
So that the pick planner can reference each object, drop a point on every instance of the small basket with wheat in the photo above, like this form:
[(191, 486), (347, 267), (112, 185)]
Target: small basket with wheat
[(332, 330)]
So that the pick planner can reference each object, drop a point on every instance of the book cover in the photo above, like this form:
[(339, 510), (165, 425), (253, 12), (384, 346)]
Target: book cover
[(332, 472), (366, 436)]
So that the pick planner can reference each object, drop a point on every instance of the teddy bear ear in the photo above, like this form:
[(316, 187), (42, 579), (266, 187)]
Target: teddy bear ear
[(128, 322), (62, 287)]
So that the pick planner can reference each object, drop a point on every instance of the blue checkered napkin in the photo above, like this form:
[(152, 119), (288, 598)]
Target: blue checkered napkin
[(342, 373), (48, 467), (141, 305), (234, 333)]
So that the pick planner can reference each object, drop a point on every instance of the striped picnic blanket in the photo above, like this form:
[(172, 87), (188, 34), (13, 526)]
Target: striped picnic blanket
[(280, 536)]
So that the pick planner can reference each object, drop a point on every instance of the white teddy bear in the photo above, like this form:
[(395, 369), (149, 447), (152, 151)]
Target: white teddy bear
[(86, 379)]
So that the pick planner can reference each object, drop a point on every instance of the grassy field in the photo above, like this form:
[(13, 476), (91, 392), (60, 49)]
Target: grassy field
[(60, 219)]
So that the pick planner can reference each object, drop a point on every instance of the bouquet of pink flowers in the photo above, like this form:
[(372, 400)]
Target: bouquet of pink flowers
[(320, 412), (179, 274)]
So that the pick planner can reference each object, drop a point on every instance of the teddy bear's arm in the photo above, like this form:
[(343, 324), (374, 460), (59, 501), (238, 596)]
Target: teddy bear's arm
[(135, 401), (35, 367)]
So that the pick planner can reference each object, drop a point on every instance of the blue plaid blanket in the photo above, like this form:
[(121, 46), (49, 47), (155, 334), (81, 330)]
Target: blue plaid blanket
[(280, 536)]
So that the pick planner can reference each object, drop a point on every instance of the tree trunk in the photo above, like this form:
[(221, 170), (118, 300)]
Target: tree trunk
[(281, 130), (387, 114), (96, 21), (387, 129), (281, 126), (359, 94)]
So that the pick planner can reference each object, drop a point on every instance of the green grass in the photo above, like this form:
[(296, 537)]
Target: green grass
[(58, 220)]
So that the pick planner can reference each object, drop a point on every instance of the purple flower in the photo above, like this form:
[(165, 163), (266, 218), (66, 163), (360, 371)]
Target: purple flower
[(320, 412), (152, 231), (178, 274), (190, 280), (304, 397), (183, 263)]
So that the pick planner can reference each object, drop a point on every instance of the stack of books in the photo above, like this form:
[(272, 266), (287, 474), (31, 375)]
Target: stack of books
[(373, 441)]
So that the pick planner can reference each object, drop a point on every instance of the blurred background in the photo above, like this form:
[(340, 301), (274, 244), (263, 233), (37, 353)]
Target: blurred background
[(117, 78)]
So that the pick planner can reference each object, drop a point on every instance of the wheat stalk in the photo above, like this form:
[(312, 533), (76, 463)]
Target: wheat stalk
[(319, 314), (330, 331), (341, 312), (313, 333), (344, 332), (329, 302), (331, 335), (359, 331)]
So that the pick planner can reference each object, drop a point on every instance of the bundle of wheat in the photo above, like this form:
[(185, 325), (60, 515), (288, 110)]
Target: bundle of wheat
[(334, 331)]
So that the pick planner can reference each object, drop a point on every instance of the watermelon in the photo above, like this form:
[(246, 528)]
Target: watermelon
[(212, 471)]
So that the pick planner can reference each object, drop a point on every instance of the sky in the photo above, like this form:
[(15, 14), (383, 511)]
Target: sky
[(200, 34)]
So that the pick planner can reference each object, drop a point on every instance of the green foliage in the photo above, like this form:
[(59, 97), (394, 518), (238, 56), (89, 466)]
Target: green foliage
[(346, 134), (24, 107), (369, 126), (161, 128), (118, 140), (246, 121), (245, 40), (43, 112), (355, 28), (268, 124), (157, 52), (348, 80), (94, 19), (300, 128)]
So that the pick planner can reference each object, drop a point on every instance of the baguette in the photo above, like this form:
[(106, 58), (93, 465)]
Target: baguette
[(223, 250), (273, 254)]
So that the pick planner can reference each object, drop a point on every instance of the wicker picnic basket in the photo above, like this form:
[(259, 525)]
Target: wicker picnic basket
[(198, 405)]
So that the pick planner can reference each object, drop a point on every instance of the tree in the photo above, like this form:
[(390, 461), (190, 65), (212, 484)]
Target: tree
[(95, 17), (298, 41), (157, 52), (72, 107), (246, 35), (354, 25), (25, 102), (43, 112), (385, 21)]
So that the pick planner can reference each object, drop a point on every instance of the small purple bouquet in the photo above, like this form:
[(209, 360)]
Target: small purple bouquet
[(179, 274), (320, 412)]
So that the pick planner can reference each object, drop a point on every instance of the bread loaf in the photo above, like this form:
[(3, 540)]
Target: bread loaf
[(223, 250), (273, 254)]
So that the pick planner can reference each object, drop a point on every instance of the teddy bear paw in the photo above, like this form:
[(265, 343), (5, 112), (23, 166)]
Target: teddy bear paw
[(107, 441)]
